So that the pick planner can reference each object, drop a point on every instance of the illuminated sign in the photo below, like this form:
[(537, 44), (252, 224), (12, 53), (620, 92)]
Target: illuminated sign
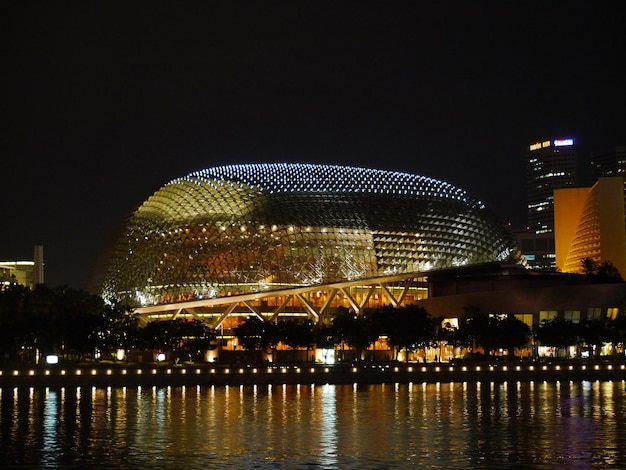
[(563, 142), (540, 145)]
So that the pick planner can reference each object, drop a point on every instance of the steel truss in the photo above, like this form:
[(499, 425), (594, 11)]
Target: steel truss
[(300, 301)]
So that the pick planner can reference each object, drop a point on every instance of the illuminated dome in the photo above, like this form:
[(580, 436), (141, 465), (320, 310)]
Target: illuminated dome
[(258, 227)]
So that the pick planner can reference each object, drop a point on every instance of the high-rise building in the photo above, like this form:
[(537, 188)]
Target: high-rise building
[(591, 223), (609, 163), (551, 165)]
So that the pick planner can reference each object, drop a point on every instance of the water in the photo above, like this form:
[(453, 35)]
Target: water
[(445, 425)]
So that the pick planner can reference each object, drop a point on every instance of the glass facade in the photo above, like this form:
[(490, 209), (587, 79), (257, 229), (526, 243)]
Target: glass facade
[(261, 227)]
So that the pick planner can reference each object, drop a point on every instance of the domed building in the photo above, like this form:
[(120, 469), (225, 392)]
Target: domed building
[(263, 228)]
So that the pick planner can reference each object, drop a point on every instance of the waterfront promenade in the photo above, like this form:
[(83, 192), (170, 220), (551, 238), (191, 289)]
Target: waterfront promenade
[(102, 375)]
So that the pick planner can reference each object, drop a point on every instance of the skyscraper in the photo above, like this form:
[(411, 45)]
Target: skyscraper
[(591, 223), (609, 163), (551, 165)]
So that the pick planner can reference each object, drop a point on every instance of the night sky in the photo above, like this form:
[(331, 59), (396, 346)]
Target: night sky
[(105, 102)]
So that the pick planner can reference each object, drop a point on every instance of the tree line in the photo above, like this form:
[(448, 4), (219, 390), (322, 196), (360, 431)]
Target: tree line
[(80, 326)]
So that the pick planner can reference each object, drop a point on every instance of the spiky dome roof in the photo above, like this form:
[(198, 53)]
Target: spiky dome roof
[(241, 228)]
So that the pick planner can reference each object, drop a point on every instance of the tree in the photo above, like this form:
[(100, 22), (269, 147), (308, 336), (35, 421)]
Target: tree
[(617, 329), (478, 328), (448, 334), (195, 338), (557, 332), (594, 333), (409, 328), (588, 266), (607, 270), (181, 337), (298, 335), (123, 331), (359, 331), (254, 334), (604, 270), (512, 333)]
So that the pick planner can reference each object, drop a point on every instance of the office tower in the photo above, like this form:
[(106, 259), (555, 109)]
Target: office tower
[(609, 163), (551, 165)]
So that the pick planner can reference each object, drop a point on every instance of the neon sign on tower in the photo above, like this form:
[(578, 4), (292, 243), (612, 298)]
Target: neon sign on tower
[(563, 142)]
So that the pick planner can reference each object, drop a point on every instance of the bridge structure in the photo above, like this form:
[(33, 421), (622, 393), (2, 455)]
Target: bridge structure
[(314, 302)]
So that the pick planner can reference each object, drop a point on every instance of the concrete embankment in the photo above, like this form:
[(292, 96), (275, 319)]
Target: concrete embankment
[(372, 373)]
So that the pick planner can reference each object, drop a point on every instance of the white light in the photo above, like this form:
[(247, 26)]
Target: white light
[(52, 359)]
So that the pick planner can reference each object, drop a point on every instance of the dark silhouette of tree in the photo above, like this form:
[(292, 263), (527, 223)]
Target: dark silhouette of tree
[(180, 337), (359, 331), (558, 333), (298, 335), (479, 329), (511, 334), (617, 330), (15, 327), (254, 334), (594, 333), (123, 331), (325, 337), (588, 266), (604, 270), (409, 328), (195, 338), (69, 322), (451, 335)]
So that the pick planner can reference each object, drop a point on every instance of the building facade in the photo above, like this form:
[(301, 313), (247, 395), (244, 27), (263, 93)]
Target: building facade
[(255, 228), (26, 273), (591, 223), (609, 163), (302, 242), (551, 164)]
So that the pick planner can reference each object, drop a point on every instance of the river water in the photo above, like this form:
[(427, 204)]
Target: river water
[(543, 425)]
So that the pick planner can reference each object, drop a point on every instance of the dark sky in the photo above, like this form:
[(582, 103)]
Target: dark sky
[(104, 102)]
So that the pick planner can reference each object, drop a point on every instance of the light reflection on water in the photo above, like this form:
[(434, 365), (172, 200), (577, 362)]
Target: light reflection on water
[(442, 425)]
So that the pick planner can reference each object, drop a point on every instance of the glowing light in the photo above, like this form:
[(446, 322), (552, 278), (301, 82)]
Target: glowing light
[(231, 191), (563, 142), (52, 359)]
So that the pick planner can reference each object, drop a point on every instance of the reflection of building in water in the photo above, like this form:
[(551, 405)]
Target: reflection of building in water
[(25, 273)]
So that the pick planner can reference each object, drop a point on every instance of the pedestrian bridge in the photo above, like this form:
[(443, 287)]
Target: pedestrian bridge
[(305, 301)]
